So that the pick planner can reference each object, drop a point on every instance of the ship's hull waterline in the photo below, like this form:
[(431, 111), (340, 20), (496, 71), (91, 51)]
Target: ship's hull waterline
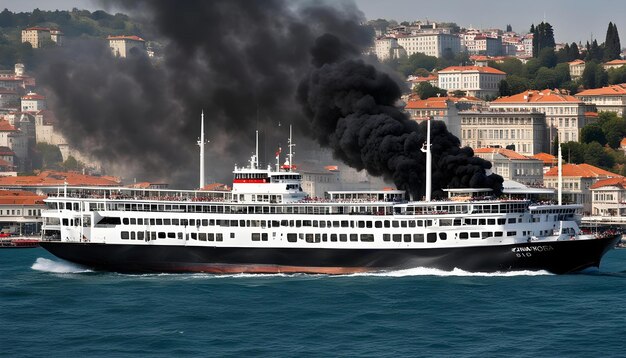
[(557, 257)]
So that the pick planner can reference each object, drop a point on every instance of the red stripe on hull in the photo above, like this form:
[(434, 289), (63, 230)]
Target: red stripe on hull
[(271, 269), (250, 181)]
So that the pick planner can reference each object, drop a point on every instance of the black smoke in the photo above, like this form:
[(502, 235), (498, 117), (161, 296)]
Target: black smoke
[(239, 61), (351, 107)]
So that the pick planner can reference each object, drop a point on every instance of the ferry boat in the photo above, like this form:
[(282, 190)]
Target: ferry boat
[(267, 224)]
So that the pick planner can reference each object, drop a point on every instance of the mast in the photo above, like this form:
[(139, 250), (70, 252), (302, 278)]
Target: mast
[(256, 159), (429, 162), (201, 143), (560, 176), (291, 145)]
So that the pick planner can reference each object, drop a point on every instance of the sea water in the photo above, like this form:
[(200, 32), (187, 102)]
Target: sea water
[(50, 308)]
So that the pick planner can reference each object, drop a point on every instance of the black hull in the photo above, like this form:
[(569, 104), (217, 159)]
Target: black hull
[(557, 257)]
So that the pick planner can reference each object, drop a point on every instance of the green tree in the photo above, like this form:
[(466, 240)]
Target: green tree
[(543, 37), (71, 164), (546, 78), (617, 75), (592, 133), (509, 28), (49, 156), (612, 46), (518, 84), (573, 152), (504, 89), (596, 155), (614, 130), (426, 90)]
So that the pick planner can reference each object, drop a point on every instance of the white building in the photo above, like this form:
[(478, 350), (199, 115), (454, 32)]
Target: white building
[(121, 46), (33, 102), (431, 44), (607, 99), (524, 132), (481, 82), (16, 141), (565, 114), (513, 166), (608, 197), (576, 69), (387, 47)]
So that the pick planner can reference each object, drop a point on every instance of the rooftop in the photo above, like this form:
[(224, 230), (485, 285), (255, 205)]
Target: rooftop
[(479, 69), (507, 153), (55, 178), (547, 159), (20, 197), (614, 90), (618, 181), (581, 170), (533, 96), (131, 38)]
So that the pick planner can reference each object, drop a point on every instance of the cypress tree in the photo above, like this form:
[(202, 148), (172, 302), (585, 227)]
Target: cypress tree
[(612, 46), (574, 51)]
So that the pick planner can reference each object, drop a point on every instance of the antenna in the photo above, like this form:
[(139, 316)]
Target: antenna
[(291, 145), (256, 164), (560, 176), (201, 143), (429, 162)]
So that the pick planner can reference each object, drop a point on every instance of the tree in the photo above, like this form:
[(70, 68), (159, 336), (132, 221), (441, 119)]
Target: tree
[(49, 156), (592, 133), (518, 84), (504, 89), (71, 164), (594, 75), (546, 78), (573, 152), (509, 28), (547, 57), (543, 37), (426, 90), (596, 155), (617, 75), (612, 47), (594, 52), (555, 144)]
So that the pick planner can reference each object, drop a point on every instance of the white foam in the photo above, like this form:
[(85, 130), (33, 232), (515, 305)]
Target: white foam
[(46, 265), (425, 271)]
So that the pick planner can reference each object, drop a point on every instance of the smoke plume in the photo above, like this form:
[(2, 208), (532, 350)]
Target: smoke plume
[(351, 107), (239, 61)]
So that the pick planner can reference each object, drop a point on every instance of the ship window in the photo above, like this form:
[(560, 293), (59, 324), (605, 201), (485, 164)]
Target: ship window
[(232, 235), (412, 223), (367, 237), (140, 235), (159, 221), (368, 224), (194, 236), (233, 223), (387, 223), (205, 222), (378, 224), (486, 234), (498, 234), (306, 223), (151, 221), (407, 237), (418, 237), (125, 221), (211, 222), (335, 223), (171, 235), (510, 233), (256, 237), (345, 223), (403, 224), (192, 222), (501, 221), (354, 237), (107, 220), (474, 234), (292, 237), (298, 223), (429, 223), (210, 236), (343, 237), (309, 238), (180, 236), (174, 221), (491, 221), (132, 235), (443, 236), (457, 222), (386, 237), (397, 237), (395, 224), (324, 237), (463, 236), (431, 237), (202, 236), (361, 224), (445, 222), (333, 237), (167, 222), (161, 235), (125, 235), (133, 221), (322, 223), (482, 222), (219, 237)]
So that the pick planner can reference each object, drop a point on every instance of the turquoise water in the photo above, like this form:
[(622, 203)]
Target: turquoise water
[(54, 309)]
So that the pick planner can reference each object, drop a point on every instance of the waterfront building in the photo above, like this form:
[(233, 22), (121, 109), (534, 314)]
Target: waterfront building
[(20, 212), (444, 109), (513, 166), (522, 131), (577, 182), (565, 114), (576, 68), (609, 197)]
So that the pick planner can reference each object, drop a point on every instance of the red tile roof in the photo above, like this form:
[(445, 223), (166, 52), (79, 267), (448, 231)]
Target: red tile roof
[(131, 38), (428, 103), (616, 62), (20, 197), (216, 187), (37, 29), (484, 69), (33, 96), (581, 170), (622, 143), (614, 90), (619, 182), (54, 178), (547, 159), (5, 126), (577, 62), (507, 153), (545, 96)]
